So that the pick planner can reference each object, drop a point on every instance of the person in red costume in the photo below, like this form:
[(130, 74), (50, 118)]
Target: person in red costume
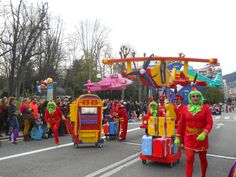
[(154, 110), (53, 116), (178, 108), (114, 110), (195, 124), (162, 103), (123, 117)]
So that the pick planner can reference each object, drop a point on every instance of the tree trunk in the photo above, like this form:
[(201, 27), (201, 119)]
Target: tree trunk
[(139, 91), (144, 92), (11, 79), (18, 86), (122, 94)]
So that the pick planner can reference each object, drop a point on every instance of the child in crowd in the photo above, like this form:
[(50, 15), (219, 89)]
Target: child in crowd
[(37, 120), (14, 128), (37, 130)]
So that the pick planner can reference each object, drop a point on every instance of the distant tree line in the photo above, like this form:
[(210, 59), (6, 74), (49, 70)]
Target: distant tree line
[(34, 46)]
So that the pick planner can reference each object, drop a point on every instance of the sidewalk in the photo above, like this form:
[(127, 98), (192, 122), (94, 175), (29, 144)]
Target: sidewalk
[(4, 137)]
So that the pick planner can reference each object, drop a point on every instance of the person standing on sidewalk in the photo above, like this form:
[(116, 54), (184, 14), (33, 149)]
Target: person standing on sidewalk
[(11, 108), (3, 115), (28, 118), (14, 128), (12, 121), (34, 106)]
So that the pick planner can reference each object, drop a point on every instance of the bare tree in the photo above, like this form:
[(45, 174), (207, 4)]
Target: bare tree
[(48, 62), (107, 53), (125, 51), (23, 27), (72, 48), (92, 38)]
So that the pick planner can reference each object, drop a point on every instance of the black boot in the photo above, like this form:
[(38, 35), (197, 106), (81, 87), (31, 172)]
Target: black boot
[(26, 138)]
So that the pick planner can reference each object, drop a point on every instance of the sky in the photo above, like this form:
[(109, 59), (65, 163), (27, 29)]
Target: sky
[(198, 28)]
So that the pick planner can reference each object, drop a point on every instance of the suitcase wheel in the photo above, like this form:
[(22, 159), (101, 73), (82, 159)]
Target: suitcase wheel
[(99, 145), (144, 162), (76, 145)]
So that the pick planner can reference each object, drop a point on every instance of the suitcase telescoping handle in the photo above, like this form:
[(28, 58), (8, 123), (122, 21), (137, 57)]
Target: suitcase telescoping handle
[(155, 125)]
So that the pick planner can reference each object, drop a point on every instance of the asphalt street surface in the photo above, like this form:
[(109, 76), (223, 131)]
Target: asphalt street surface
[(116, 159)]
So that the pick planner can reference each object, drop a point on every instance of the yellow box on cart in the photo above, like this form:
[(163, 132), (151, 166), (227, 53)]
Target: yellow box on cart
[(88, 136), (169, 128), (152, 126)]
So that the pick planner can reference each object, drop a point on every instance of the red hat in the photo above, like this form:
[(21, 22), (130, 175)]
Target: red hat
[(162, 96), (120, 106), (194, 89), (116, 103), (177, 96)]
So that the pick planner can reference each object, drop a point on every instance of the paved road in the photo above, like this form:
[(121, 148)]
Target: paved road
[(118, 159)]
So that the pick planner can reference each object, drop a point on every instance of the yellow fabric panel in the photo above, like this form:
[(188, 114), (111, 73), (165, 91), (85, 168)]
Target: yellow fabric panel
[(170, 111), (73, 112)]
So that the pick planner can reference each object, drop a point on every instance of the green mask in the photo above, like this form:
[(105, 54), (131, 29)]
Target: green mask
[(154, 111), (51, 110), (193, 107)]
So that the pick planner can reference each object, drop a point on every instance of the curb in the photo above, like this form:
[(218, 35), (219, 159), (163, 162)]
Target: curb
[(7, 137)]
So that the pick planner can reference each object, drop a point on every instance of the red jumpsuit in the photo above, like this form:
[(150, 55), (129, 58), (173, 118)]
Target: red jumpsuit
[(114, 110), (190, 126), (122, 114), (178, 111), (54, 121), (160, 113)]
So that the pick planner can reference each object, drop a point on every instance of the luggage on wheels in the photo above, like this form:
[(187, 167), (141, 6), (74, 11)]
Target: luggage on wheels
[(111, 129), (158, 144)]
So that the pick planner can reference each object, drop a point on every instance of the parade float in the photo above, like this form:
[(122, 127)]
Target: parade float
[(168, 78)]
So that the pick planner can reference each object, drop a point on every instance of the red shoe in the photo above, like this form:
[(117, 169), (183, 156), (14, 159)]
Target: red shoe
[(122, 139), (57, 144)]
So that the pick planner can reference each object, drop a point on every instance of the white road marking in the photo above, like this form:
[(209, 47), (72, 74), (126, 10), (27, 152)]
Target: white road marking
[(135, 123), (222, 157), (135, 144), (227, 118), (219, 125), (134, 129), (211, 155), (34, 152), (235, 118), (46, 149), (120, 168), (130, 130), (217, 117), (112, 165), (7, 139)]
